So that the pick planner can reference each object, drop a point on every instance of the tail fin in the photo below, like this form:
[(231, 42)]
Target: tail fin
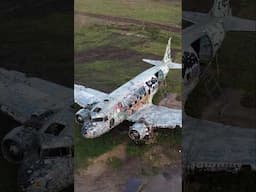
[(167, 60), (167, 55), (221, 8)]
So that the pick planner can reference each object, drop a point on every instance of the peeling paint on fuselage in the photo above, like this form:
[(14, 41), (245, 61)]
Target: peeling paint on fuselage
[(125, 101)]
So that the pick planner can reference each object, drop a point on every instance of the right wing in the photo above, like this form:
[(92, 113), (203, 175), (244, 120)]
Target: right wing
[(158, 116), (211, 145), (84, 96)]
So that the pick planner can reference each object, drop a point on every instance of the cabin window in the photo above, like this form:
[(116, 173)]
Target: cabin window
[(153, 80), (159, 75), (55, 152), (55, 129), (97, 110), (120, 105), (149, 83), (97, 119)]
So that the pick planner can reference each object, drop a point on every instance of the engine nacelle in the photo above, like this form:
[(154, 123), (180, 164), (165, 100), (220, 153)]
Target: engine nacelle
[(139, 132), (82, 115), (17, 142)]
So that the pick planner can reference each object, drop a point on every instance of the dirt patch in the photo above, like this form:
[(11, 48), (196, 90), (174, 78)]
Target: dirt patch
[(227, 109), (99, 176), (132, 21), (171, 101), (113, 53)]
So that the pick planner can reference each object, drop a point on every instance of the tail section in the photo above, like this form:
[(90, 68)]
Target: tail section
[(167, 60), (221, 8), (167, 55)]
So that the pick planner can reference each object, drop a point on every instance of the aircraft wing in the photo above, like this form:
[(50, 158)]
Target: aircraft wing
[(194, 17), (84, 96), (22, 96), (238, 24), (158, 116), (212, 145)]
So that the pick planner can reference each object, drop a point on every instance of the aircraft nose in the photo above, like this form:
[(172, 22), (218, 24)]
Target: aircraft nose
[(83, 131), (85, 128)]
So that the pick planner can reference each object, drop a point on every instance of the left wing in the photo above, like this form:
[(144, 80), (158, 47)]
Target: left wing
[(158, 116), (84, 96), (22, 96)]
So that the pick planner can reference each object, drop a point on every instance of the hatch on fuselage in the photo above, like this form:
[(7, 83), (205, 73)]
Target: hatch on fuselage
[(203, 48)]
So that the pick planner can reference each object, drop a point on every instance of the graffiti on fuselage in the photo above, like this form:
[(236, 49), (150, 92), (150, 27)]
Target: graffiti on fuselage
[(190, 66)]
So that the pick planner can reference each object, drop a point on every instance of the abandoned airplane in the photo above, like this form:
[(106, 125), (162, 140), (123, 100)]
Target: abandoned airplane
[(132, 101), (208, 145), (43, 143)]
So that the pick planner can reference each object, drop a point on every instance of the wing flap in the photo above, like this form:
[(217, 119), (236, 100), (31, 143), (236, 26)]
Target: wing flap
[(158, 116), (208, 144)]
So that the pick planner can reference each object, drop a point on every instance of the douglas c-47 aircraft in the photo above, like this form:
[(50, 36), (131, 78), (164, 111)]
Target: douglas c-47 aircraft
[(208, 145), (132, 101)]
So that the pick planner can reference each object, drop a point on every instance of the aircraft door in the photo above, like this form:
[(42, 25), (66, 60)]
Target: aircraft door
[(159, 75), (206, 51)]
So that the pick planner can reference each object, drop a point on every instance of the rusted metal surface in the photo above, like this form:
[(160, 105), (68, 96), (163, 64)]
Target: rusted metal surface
[(43, 144), (210, 145), (132, 101)]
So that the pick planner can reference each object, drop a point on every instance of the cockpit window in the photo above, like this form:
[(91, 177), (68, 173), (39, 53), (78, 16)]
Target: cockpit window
[(55, 129), (97, 110), (55, 152), (97, 119)]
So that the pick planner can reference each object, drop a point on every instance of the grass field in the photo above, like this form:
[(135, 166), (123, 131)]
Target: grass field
[(160, 11), (98, 67), (236, 63)]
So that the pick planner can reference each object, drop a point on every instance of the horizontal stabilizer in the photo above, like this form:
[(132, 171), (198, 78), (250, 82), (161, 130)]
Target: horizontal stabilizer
[(194, 17), (152, 62), (238, 24), (174, 65)]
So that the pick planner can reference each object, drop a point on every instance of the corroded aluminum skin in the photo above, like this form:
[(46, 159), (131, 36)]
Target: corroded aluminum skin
[(35, 103), (209, 145), (131, 101)]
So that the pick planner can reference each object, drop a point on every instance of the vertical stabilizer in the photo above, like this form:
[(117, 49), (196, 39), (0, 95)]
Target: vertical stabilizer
[(221, 8), (167, 56)]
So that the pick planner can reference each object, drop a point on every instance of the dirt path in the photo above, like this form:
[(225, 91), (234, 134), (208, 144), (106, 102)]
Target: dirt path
[(227, 109), (99, 176), (132, 21)]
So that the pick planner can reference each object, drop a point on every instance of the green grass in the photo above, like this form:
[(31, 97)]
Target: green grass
[(44, 55), (8, 177), (237, 68), (86, 149), (114, 162), (88, 37), (107, 75), (237, 61), (173, 85), (168, 12)]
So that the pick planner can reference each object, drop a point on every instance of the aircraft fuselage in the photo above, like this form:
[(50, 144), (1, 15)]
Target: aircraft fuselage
[(124, 101)]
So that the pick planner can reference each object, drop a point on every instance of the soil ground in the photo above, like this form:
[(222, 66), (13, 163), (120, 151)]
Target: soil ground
[(111, 18)]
